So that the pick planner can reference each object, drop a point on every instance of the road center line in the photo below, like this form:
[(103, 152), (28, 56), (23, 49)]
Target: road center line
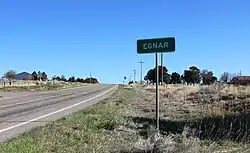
[(4, 98), (55, 112), (31, 101)]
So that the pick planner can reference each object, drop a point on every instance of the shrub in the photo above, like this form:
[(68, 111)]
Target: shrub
[(130, 82)]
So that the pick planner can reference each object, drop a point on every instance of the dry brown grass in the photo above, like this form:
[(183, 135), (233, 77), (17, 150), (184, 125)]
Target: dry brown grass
[(217, 111), (169, 144)]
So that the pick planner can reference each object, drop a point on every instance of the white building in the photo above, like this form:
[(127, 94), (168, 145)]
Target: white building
[(3, 80)]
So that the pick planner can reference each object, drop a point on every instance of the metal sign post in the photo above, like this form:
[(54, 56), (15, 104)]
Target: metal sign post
[(162, 69), (156, 45), (157, 92)]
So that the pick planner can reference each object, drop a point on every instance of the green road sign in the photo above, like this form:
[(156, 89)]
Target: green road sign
[(156, 45)]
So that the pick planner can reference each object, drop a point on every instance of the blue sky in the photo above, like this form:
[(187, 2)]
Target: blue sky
[(82, 36)]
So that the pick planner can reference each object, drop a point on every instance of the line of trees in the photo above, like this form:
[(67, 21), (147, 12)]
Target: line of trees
[(39, 76), (42, 76), (193, 75), (73, 79), (11, 74), (227, 77)]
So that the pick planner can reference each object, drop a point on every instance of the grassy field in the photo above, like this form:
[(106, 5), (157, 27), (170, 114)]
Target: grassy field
[(211, 119), (45, 86)]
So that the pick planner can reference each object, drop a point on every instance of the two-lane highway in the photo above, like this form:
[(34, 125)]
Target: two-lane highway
[(21, 113)]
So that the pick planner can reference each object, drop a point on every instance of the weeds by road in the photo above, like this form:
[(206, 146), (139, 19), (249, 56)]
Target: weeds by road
[(190, 123)]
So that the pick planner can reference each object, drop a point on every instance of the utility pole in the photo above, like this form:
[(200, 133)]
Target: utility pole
[(90, 78), (161, 68), (134, 75), (141, 69)]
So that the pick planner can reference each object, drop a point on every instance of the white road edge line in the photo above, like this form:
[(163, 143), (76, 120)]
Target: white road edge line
[(42, 92), (52, 113)]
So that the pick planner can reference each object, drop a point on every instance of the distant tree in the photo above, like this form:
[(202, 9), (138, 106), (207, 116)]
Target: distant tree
[(166, 76), (225, 77), (231, 76), (214, 78), (39, 75), (192, 75), (90, 80), (71, 79), (56, 78), (44, 76), (63, 78), (78, 79), (195, 74), (207, 77), (34, 74), (204, 76), (182, 78), (175, 78), (130, 82), (187, 77), (11, 74), (151, 75)]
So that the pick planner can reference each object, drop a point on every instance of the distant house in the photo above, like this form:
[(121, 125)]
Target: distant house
[(242, 80), (3, 79), (24, 76)]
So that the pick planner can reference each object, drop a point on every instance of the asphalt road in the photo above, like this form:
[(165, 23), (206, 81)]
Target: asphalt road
[(20, 113)]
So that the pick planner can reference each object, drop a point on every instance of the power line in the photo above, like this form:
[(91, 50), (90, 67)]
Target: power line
[(141, 68)]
